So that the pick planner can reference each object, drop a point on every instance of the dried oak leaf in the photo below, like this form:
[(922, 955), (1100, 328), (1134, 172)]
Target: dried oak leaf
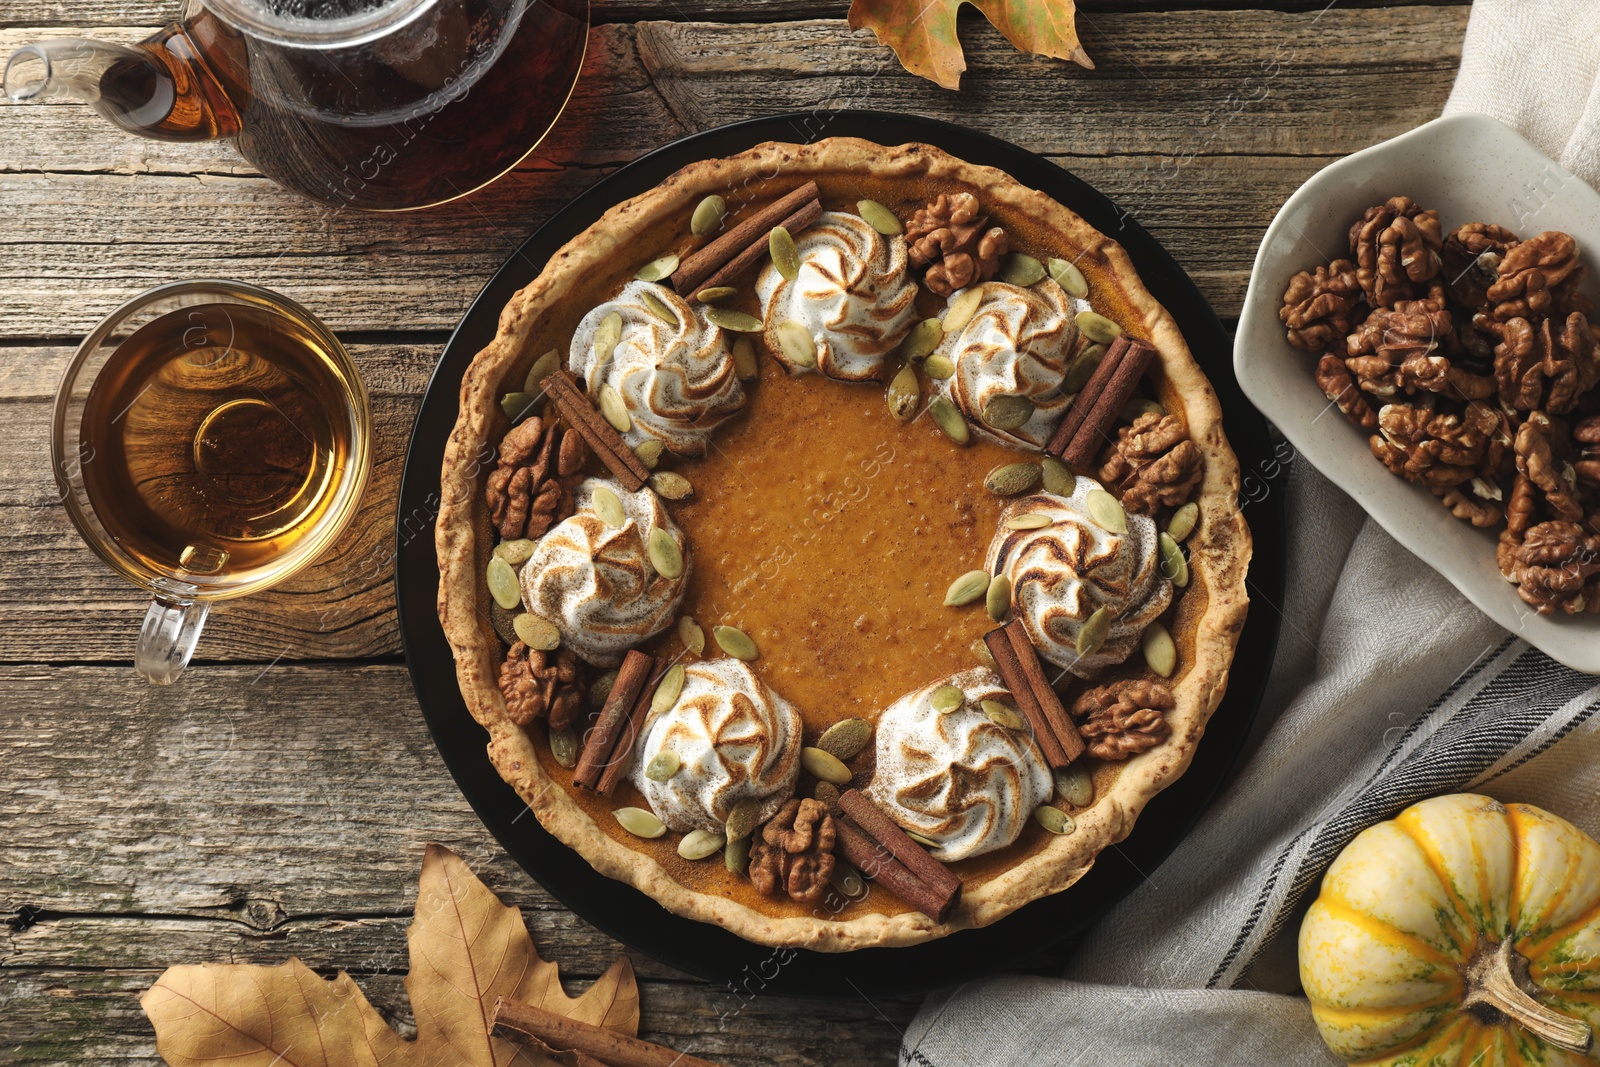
[(1320, 307), (467, 949), (923, 35)]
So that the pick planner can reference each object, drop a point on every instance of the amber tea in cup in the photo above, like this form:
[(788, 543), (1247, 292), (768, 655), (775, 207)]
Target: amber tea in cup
[(211, 439)]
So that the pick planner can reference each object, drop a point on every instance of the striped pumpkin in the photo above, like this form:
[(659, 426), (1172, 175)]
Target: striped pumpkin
[(1462, 932)]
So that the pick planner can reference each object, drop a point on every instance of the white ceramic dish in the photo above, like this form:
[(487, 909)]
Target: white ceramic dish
[(1471, 168)]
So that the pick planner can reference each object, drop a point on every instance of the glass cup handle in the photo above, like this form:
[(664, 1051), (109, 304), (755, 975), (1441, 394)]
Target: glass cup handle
[(171, 627)]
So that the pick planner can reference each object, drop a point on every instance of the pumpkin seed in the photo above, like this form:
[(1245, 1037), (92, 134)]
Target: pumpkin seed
[(501, 620), (980, 651), (785, 256), (735, 642), (744, 818), (1173, 564), (607, 505), (1183, 521), (659, 308), (657, 269), (1033, 520), (1054, 819), (905, 392), (711, 294), (649, 453), (536, 632), (1093, 633), (1106, 511), (541, 369), (1159, 651), (736, 854), (744, 359), (1058, 477), (947, 418), (846, 738), (940, 367), (700, 844), (665, 555), (689, 632), (847, 880), (960, 309), (662, 766), (606, 336), (997, 601), (824, 765), (926, 842), (1082, 369), (1007, 412), (737, 321), (828, 794), (880, 218), (1075, 785), (1019, 268), (515, 552), (614, 408), (503, 583), (922, 339), (1098, 327), (564, 746), (668, 690), (1138, 405), (707, 217), (1010, 479), (948, 697), (671, 485), (516, 405), (1069, 277), (600, 688), (967, 588), (640, 823), (1002, 715), (796, 343)]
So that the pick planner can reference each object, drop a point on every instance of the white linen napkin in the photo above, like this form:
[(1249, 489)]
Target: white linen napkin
[(1388, 687)]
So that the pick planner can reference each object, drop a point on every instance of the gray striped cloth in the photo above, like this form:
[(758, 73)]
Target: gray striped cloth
[(1388, 688)]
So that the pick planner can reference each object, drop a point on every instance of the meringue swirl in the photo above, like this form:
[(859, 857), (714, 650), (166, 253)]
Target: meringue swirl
[(852, 295), (596, 583), (1062, 573), (735, 739), (957, 777), (1018, 343), (678, 379)]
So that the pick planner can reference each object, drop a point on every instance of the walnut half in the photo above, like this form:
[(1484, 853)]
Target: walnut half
[(794, 852)]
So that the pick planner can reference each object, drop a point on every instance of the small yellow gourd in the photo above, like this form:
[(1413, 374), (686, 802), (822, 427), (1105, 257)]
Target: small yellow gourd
[(1462, 932)]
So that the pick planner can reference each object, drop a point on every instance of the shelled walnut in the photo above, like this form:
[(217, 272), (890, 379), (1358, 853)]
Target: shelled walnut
[(1545, 365), (951, 242), (794, 851), (1320, 307), (1472, 255), (1540, 446), (1396, 248), (1124, 718), (1440, 449), (538, 684), (1404, 350), (525, 491), (1535, 276), (1336, 383), (1556, 568), (1152, 464)]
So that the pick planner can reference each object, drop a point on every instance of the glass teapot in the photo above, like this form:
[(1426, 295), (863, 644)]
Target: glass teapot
[(382, 105)]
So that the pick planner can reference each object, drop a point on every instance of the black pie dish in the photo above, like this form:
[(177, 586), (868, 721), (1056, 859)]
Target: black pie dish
[(621, 911)]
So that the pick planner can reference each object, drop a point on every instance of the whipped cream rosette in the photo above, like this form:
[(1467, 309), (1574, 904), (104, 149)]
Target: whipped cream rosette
[(853, 296), (595, 582), (1019, 343), (957, 777), (677, 379), (1063, 572), (735, 740)]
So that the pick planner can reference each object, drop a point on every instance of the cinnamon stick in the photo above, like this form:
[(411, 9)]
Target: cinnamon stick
[(622, 748), (693, 271), (1008, 663), (874, 861), (803, 217), (602, 739), (1108, 406), (883, 830), (519, 1022), (1060, 724), (597, 433), (1083, 403)]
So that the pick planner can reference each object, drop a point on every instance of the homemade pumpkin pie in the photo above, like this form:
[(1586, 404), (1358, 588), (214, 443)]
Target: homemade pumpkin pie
[(839, 544)]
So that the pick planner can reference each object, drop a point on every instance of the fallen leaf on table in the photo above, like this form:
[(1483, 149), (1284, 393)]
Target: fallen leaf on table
[(923, 32), (467, 949)]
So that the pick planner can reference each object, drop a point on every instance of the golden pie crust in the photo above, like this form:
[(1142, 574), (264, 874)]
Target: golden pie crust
[(1219, 549)]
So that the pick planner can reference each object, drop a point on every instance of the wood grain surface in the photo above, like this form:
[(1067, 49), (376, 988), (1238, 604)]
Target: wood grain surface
[(276, 802)]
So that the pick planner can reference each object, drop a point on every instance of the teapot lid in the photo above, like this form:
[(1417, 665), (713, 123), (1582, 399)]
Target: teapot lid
[(318, 23)]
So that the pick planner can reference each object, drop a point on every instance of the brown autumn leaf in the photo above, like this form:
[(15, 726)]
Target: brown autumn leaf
[(467, 949), (923, 32)]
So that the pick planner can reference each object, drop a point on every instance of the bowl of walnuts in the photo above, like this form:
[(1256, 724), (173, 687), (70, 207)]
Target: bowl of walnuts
[(1421, 326)]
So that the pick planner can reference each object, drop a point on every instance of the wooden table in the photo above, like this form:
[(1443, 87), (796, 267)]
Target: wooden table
[(276, 801)]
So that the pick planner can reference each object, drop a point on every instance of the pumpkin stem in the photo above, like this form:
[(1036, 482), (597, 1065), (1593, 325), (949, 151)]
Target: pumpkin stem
[(1491, 979)]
